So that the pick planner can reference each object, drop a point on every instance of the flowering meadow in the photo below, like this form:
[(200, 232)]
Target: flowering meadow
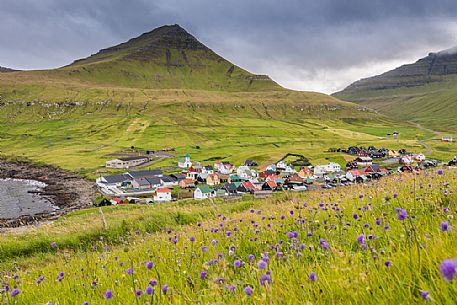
[(391, 241)]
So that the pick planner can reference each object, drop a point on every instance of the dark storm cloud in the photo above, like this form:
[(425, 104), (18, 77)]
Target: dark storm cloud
[(320, 45)]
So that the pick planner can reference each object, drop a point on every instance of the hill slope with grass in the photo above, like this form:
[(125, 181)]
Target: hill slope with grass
[(423, 92), (167, 57)]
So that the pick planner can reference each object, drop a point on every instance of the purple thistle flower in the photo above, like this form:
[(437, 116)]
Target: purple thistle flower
[(15, 292), (248, 291), (323, 244), (53, 245), (378, 221), (448, 269), (388, 263), (291, 235), (203, 274), (149, 290), (232, 288), (355, 216), (129, 271), (440, 171), (265, 279), (313, 276), (86, 303), (108, 294), (262, 264), (149, 265), (164, 289), (361, 239), (251, 258), (192, 239), (425, 295), (153, 282), (205, 249), (401, 214), (139, 293), (237, 263), (395, 195), (444, 226), (219, 280), (360, 196), (94, 284)]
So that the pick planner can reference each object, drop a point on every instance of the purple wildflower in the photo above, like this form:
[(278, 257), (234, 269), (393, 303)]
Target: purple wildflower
[(388, 263), (108, 294), (313, 276), (448, 269), (251, 258), (192, 239), (149, 290), (444, 226), (401, 214), (203, 274), (265, 279), (149, 265), (139, 293), (425, 295), (129, 271), (395, 195), (237, 263), (378, 221), (164, 289), (262, 264), (248, 291), (440, 171), (53, 245), (205, 249), (323, 244), (15, 292), (232, 288)]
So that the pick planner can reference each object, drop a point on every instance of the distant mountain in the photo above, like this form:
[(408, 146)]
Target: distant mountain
[(4, 70), (424, 92), (167, 57)]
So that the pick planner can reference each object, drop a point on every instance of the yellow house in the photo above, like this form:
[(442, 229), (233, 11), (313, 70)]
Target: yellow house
[(213, 179)]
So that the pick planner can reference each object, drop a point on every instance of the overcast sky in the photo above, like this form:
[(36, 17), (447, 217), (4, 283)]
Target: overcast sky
[(319, 45)]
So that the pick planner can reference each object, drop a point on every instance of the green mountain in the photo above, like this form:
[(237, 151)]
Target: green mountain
[(167, 57), (424, 92)]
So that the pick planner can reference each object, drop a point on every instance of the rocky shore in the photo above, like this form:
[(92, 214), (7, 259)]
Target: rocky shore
[(64, 189)]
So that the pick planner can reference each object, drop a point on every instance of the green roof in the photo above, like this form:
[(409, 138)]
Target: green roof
[(205, 189)]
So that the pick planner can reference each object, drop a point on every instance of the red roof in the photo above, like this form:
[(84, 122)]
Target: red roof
[(272, 184), (356, 172), (163, 190), (248, 185)]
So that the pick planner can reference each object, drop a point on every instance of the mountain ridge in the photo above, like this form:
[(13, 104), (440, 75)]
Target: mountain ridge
[(423, 92)]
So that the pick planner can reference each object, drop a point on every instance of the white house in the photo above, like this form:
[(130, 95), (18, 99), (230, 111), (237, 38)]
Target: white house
[(406, 160), (281, 165), (162, 195), (271, 167), (127, 162), (244, 172), (364, 161), (419, 157), (224, 168), (204, 192), (185, 162), (332, 167)]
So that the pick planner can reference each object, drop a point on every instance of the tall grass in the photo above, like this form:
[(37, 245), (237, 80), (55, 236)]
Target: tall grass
[(379, 243)]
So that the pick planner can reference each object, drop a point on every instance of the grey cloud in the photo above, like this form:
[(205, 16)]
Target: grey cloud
[(318, 45)]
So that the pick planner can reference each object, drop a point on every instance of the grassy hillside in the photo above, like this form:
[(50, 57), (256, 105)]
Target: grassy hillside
[(262, 126), (167, 57), (377, 243), (423, 92), (432, 105)]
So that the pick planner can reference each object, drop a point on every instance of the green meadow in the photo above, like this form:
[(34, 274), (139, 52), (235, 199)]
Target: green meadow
[(378, 243), (265, 127)]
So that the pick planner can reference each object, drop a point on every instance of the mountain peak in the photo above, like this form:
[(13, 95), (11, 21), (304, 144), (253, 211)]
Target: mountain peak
[(166, 57)]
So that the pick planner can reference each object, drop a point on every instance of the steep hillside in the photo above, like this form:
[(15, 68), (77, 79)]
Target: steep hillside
[(166, 58), (424, 92)]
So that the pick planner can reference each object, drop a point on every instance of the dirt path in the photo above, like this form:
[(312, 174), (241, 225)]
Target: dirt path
[(437, 135)]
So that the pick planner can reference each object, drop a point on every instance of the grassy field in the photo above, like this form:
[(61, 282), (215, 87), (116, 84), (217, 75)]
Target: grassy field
[(378, 243), (264, 127)]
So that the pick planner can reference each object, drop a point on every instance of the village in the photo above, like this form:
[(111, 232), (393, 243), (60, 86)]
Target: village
[(223, 179)]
